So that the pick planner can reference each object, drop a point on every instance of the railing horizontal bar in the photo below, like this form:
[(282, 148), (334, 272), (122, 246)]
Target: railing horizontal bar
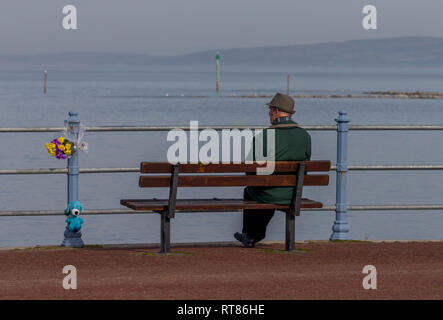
[(52, 129), (109, 170), (65, 170), (382, 207), (416, 127), (61, 213), (125, 211), (397, 207), (137, 169), (35, 171), (154, 128), (390, 167), (167, 128)]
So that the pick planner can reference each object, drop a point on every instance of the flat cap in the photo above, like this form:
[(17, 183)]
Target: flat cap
[(283, 102)]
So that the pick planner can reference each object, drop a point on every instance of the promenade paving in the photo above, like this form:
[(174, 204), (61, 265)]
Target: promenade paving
[(315, 270)]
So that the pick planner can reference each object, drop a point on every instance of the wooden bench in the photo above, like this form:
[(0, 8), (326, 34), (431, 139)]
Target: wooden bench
[(287, 173)]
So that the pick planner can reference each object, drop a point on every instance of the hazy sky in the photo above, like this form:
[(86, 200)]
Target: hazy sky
[(181, 26)]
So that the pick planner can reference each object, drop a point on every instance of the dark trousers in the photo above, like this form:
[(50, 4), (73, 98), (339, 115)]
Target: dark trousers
[(256, 221)]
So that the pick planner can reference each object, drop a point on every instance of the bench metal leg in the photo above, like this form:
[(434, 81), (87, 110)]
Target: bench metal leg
[(165, 233), (295, 208), (298, 189), (290, 231)]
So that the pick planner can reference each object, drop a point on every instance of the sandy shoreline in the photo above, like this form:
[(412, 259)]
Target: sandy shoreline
[(364, 95)]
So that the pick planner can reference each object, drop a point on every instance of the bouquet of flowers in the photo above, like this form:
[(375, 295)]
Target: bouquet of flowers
[(61, 148)]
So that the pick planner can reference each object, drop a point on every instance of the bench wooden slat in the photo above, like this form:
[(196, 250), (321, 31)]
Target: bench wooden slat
[(210, 204), (233, 181), (280, 166)]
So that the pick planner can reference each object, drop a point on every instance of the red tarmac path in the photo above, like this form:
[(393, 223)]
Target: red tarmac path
[(316, 270)]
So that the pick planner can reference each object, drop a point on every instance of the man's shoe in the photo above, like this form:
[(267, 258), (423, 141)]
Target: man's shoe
[(244, 238)]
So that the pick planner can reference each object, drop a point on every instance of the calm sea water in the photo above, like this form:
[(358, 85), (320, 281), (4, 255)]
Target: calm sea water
[(124, 96)]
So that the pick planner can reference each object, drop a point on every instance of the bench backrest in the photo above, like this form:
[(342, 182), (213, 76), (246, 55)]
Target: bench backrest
[(226, 175)]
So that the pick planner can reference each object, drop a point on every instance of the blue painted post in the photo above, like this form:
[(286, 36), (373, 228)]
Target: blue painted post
[(341, 227), (73, 239), (73, 126)]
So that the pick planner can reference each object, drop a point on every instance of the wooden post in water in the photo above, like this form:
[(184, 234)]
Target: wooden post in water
[(287, 84), (45, 82), (217, 79)]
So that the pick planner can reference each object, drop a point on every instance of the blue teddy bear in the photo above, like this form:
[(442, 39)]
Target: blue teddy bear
[(73, 211)]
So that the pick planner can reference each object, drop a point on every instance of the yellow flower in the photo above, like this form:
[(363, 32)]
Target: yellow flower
[(61, 139), (52, 154), (52, 145), (68, 152), (47, 145), (61, 147), (68, 146)]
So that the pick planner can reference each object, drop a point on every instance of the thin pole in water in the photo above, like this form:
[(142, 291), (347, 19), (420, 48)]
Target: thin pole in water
[(217, 81), (287, 84), (45, 82)]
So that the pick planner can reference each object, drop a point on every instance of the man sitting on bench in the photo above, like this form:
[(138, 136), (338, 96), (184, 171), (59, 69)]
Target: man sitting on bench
[(291, 143)]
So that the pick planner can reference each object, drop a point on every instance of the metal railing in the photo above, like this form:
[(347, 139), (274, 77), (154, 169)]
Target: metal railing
[(137, 169), (22, 213), (186, 128), (340, 227)]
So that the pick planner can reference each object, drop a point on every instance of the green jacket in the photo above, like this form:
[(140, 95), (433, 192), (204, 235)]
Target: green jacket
[(291, 143)]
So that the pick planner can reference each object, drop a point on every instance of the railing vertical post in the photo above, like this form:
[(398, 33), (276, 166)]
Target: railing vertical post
[(72, 124), (341, 228)]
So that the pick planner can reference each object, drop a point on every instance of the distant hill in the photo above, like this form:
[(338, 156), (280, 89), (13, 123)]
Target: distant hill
[(404, 51), (415, 51)]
